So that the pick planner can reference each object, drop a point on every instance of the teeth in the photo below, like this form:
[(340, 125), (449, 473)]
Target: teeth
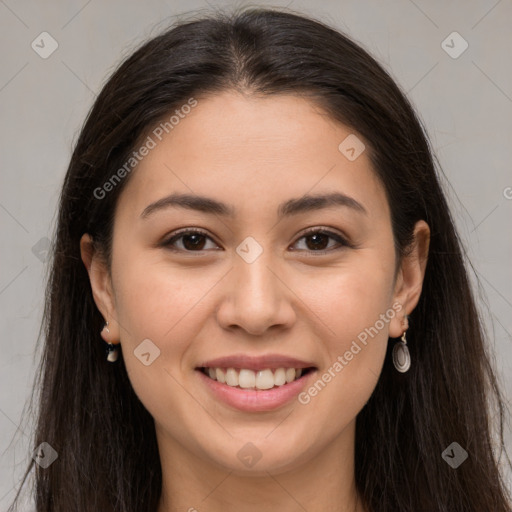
[(264, 379), (231, 377), (249, 379), (280, 377), (219, 375)]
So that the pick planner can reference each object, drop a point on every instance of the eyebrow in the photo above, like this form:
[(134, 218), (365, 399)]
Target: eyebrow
[(288, 208)]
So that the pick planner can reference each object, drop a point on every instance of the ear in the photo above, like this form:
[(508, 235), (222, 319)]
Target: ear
[(409, 281), (101, 285)]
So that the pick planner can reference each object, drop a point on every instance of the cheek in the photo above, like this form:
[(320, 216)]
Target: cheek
[(351, 297), (158, 310), (154, 300), (355, 307)]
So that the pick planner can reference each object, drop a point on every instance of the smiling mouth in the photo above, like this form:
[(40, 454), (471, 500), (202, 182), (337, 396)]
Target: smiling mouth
[(264, 379)]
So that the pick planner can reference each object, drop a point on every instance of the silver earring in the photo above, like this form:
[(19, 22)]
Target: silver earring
[(401, 355), (112, 351)]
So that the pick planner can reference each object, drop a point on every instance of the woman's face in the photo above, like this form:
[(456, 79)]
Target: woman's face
[(254, 283)]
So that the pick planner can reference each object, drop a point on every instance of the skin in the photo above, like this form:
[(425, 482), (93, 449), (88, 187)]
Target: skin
[(253, 154)]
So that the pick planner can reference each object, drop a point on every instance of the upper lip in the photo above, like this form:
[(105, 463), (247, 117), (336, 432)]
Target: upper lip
[(271, 361)]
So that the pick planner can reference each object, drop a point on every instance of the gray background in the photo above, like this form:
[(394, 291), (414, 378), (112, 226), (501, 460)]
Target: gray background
[(465, 103)]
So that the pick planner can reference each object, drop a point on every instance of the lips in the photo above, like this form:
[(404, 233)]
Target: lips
[(256, 400)]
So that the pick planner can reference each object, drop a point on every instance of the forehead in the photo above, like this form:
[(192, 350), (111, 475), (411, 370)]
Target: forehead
[(253, 153)]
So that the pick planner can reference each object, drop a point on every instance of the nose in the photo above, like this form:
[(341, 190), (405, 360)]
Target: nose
[(256, 297)]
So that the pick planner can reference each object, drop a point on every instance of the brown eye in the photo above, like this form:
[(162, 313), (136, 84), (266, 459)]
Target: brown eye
[(318, 240), (192, 240)]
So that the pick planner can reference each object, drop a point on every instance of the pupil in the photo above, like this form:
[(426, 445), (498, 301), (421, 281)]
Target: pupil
[(195, 244), (315, 237)]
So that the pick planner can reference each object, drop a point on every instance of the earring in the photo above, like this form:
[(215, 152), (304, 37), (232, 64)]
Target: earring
[(401, 355), (112, 351)]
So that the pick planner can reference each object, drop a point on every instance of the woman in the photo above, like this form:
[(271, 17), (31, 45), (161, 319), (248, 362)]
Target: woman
[(252, 214)]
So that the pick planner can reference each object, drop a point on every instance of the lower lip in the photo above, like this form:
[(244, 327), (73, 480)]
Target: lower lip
[(252, 400)]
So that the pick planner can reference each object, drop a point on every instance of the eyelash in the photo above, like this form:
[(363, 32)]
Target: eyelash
[(322, 231)]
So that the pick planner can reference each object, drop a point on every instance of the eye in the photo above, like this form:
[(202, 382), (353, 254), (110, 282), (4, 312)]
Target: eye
[(192, 240), (319, 237)]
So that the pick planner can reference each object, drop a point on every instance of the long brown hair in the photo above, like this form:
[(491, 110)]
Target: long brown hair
[(87, 409)]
